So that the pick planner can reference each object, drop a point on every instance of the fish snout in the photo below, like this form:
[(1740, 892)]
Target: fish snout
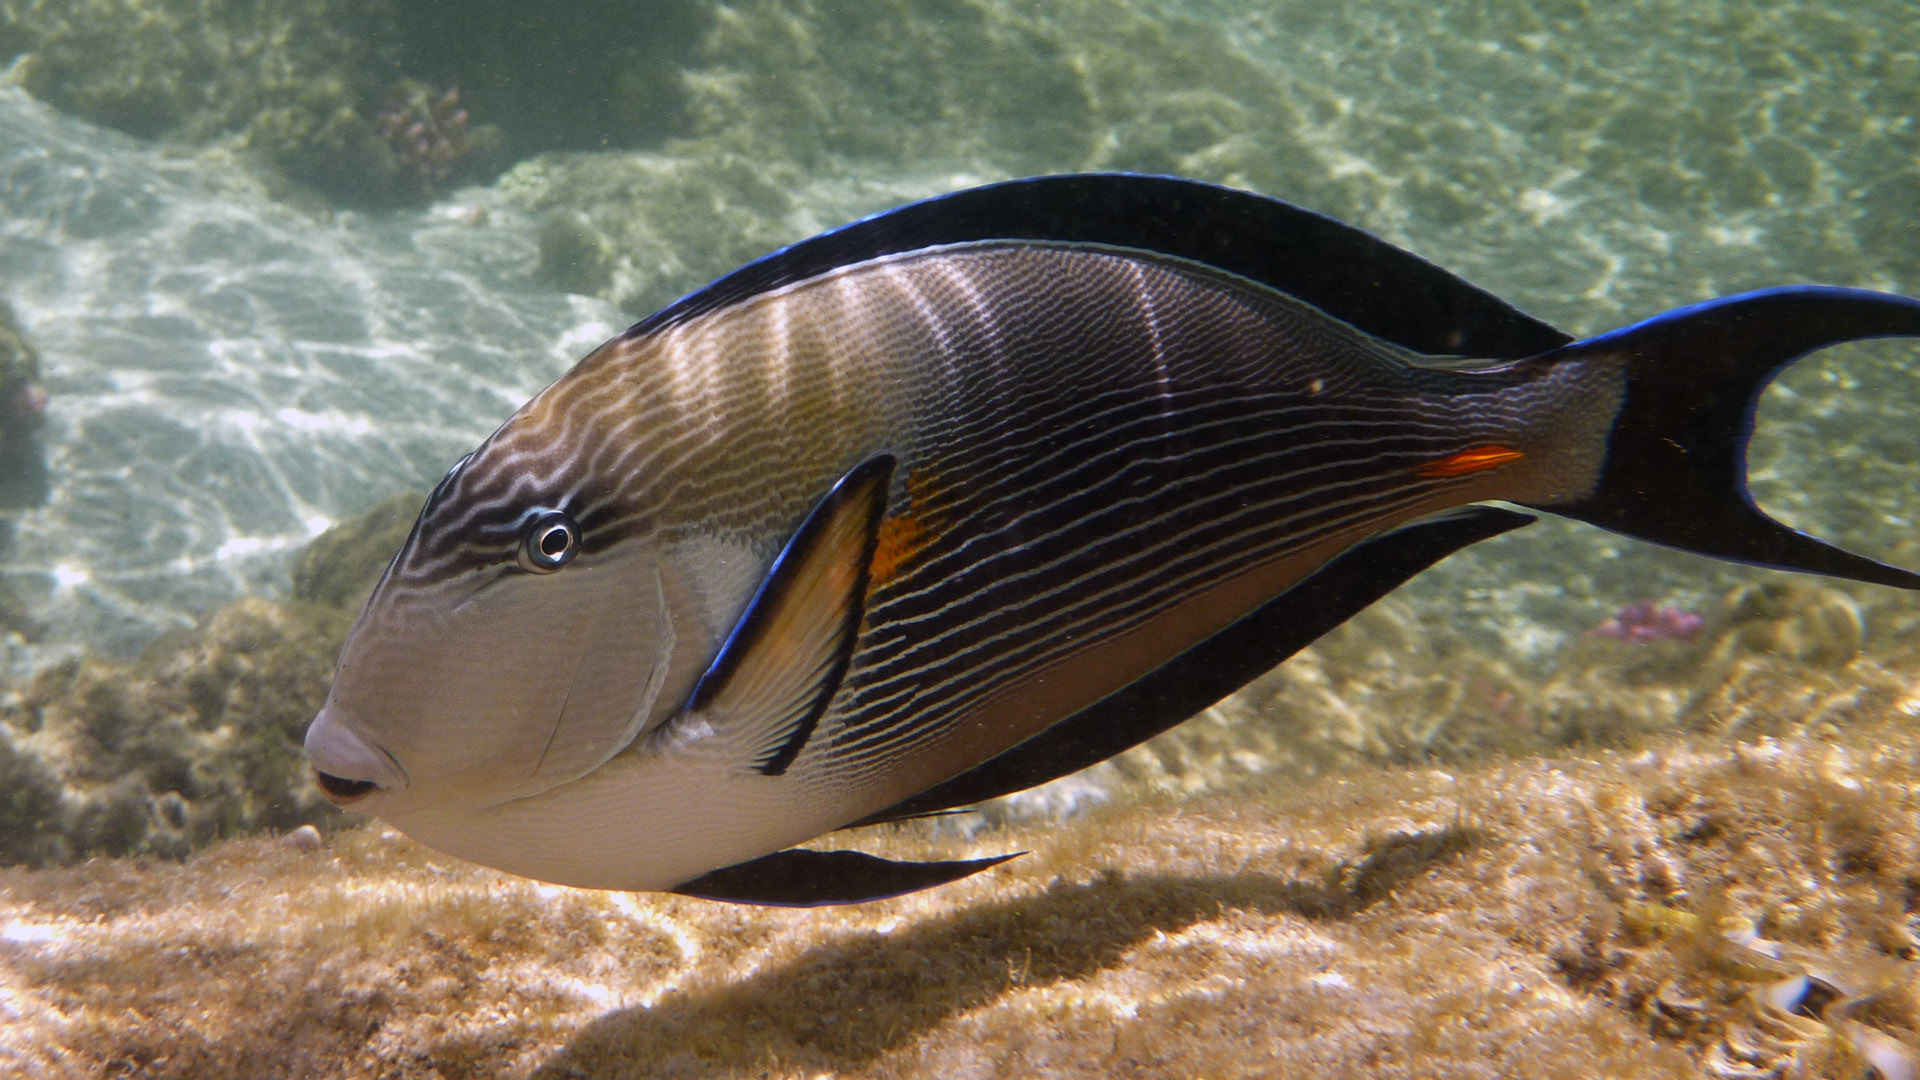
[(346, 766)]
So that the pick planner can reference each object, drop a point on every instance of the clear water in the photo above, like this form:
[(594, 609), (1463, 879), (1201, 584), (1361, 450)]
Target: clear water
[(245, 337)]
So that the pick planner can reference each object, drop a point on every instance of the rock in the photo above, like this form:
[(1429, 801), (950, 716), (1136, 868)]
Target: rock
[(290, 81), (302, 86), (342, 565), (199, 738), (23, 410), (304, 838), (23, 399)]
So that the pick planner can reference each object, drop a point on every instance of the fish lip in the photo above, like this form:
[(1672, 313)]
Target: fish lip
[(346, 766)]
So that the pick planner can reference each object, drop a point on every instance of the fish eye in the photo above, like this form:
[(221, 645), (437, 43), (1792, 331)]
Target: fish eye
[(551, 543)]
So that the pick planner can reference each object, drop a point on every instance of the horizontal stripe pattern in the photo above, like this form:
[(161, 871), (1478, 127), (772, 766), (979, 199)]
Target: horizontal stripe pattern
[(1095, 437), (1166, 432)]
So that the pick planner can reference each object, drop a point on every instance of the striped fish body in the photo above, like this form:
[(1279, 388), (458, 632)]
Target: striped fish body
[(1096, 458), (1102, 459)]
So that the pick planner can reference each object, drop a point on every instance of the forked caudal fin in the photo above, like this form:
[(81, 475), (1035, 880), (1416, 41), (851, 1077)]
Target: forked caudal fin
[(1676, 465)]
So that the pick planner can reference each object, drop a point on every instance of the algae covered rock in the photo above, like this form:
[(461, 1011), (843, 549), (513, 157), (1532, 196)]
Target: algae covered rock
[(23, 410), (1409, 683), (199, 738), (288, 75), (24, 480), (341, 566), (299, 86), (598, 73), (1701, 908), (23, 398)]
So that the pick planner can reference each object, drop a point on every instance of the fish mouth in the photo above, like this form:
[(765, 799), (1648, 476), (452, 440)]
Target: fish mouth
[(346, 766), (342, 790)]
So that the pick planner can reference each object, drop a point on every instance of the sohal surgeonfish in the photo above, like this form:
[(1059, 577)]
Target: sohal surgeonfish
[(974, 493)]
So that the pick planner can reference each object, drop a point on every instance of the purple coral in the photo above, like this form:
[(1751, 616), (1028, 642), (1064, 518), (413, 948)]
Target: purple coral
[(1645, 621), (427, 132)]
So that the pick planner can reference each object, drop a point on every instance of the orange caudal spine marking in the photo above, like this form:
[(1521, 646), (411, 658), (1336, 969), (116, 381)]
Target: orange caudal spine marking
[(1471, 460)]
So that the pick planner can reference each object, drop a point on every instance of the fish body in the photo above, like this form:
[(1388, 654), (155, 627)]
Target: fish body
[(974, 493)]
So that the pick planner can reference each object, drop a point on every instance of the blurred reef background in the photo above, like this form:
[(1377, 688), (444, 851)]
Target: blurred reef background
[(268, 268)]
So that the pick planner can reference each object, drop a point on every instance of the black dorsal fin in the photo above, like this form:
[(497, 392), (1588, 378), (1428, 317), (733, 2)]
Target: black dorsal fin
[(1217, 666), (1350, 274), (798, 877), (785, 658)]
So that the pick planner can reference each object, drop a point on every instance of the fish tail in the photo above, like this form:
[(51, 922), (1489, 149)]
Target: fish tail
[(1675, 470)]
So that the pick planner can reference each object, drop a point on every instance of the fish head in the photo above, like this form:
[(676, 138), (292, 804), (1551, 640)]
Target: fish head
[(521, 638)]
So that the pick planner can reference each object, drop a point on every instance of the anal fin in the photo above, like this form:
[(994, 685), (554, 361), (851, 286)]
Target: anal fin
[(783, 661), (801, 878), (1217, 666)]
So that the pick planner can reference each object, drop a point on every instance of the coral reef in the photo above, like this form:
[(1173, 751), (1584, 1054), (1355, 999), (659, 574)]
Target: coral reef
[(1473, 128), (1643, 621), (306, 88), (290, 79), (1695, 909), (23, 410), (23, 399), (1414, 850), (427, 131), (199, 738), (362, 152), (605, 74)]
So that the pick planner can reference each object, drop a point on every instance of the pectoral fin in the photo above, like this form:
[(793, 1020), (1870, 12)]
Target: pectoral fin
[(784, 659), (801, 878)]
